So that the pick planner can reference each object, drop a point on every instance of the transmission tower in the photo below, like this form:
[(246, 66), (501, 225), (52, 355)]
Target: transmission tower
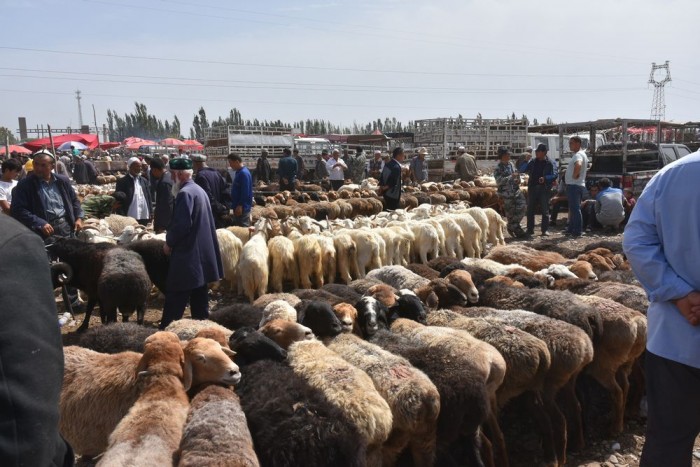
[(658, 105), (80, 109)]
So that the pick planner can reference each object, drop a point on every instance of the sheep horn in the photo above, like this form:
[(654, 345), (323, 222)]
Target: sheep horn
[(64, 272)]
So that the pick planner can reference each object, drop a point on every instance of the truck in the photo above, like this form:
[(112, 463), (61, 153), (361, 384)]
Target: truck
[(634, 151)]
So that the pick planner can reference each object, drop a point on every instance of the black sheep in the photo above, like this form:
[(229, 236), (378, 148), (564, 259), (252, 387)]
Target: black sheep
[(116, 337), (441, 262), (320, 318), (237, 315), (347, 293), (251, 345), (123, 284), (452, 267), (410, 307), (156, 261)]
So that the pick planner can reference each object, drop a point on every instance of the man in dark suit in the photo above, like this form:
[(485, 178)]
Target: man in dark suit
[(137, 191), (162, 187), (214, 185), (390, 180)]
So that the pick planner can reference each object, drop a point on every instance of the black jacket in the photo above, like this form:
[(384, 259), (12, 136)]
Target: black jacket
[(28, 208), (263, 172), (126, 185), (31, 354), (163, 211)]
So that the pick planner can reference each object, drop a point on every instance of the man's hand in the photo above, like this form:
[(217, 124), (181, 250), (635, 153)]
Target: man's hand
[(78, 224), (540, 180), (689, 306), (167, 250), (47, 230), (238, 211)]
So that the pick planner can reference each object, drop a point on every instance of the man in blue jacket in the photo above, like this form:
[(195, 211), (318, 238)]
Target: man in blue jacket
[(539, 188), (287, 171), (390, 180), (214, 185), (241, 191), (191, 242)]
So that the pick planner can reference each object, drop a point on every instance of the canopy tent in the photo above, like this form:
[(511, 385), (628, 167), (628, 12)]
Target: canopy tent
[(90, 141), (193, 144), (171, 142), (68, 145), (133, 143), (110, 145), (15, 148)]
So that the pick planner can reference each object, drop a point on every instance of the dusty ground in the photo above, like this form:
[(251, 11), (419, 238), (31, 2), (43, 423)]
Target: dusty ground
[(623, 450)]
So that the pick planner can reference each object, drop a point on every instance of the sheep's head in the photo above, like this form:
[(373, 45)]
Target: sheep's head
[(278, 309), (583, 270), (439, 292), (371, 316), (251, 345), (384, 293), (214, 334), (163, 355), (285, 333), (210, 362), (347, 314), (321, 319), (463, 281), (409, 306)]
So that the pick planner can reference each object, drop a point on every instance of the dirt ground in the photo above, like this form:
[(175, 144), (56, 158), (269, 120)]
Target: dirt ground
[(623, 450)]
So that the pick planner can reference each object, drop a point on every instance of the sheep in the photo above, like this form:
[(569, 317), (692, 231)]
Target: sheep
[(123, 284), (384, 293), (346, 387), (98, 389), (496, 227), (398, 277), (441, 262), (471, 234), (347, 293), (482, 220), (237, 315), (254, 261), (230, 248), (440, 292), (464, 401), (412, 397), (251, 345), (346, 257), (156, 261), (423, 270), (187, 329), (463, 281), (583, 270), (117, 223), (558, 271), (368, 251), (328, 258), (426, 241), (243, 233), (308, 255), (116, 337), (91, 235), (282, 263), (570, 351), (598, 262), (150, 432), (347, 314), (525, 256), (285, 333), (266, 299), (278, 309), (631, 296), (315, 294), (216, 431), (362, 285)]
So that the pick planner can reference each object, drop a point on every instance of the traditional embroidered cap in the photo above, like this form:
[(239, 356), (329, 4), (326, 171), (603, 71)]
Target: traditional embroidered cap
[(44, 152), (180, 163), (422, 151), (132, 160), (198, 157)]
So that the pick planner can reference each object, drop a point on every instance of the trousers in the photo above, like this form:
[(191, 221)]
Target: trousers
[(574, 193), (176, 301), (538, 195), (515, 207), (391, 203)]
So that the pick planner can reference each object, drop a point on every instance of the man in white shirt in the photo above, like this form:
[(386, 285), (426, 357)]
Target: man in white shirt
[(138, 193), (10, 169), (336, 167), (575, 186)]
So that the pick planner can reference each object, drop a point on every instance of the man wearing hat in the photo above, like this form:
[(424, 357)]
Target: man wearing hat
[(137, 191), (466, 165), (321, 169), (214, 185), (192, 246), (508, 182), (539, 188), (263, 172), (524, 158), (101, 206), (162, 189), (418, 170), (376, 165)]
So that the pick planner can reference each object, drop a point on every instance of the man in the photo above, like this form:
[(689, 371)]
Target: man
[(508, 182), (287, 171), (301, 169), (163, 193), (357, 166), (8, 181), (45, 202), (466, 165), (609, 205), (241, 191), (418, 170), (31, 353), (192, 246), (657, 245), (101, 206), (525, 158), (137, 191), (263, 172), (80, 171), (390, 180), (320, 169), (588, 217), (539, 188), (376, 165), (214, 185), (336, 170), (91, 170), (575, 186)]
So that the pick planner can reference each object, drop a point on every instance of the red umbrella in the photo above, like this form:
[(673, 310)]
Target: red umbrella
[(87, 139), (14, 148), (134, 145), (110, 145), (171, 142), (193, 143)]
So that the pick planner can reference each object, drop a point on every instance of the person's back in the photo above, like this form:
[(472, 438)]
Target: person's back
[(609, 207), (80, 172)]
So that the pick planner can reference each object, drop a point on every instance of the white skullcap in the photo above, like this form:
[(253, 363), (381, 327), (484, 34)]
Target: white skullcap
[(132, 160)]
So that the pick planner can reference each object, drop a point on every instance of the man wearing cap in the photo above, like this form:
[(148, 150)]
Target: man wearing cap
[(214, 185), (524, 158), (192, 246), (137, 191), (418, 170), (508, 182), (376, 165), (101, 206), (320, 169), (241, 191), (263, 172), (390, 180), (162, 189), (539, 188), (287, 170), (466, 165), (357, 166)]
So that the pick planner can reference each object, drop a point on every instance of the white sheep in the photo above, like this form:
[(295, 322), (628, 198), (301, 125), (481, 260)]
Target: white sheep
[(328, 258), (426, 241), (309, 259), (346, 257), (279, 309), (254, 261), (230, 248), (471, 240), (282, 263), (454, 237), (496, 227), (482, 219), (367, 250)]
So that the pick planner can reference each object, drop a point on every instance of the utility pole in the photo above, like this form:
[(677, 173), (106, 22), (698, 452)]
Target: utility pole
[(80, 110), (658, 104)]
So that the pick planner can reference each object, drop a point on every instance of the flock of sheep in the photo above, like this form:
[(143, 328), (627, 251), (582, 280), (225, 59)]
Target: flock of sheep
[(369, 338)]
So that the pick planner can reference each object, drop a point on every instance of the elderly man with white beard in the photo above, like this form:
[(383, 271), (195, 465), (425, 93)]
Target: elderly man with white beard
[(191, 243)]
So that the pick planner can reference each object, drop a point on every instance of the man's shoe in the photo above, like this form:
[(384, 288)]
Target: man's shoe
[(545, 234), (530, 232)]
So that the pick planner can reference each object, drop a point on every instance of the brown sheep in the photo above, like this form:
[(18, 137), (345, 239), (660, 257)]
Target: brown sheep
[(583, 270), (285, 333), (599, 263), (383, 293), (423, 270), (437, 198), (525, 256), (463, 281), (347, 314), (505, 280)]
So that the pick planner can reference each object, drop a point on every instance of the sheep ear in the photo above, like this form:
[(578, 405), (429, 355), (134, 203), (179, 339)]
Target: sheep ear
[(432, 300), (228, 351), (142, 374), (186, 373)]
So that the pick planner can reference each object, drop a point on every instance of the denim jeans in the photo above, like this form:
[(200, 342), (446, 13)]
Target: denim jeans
[(574, 193)]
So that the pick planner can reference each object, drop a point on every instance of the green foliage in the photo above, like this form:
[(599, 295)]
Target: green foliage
[(4, 133), (141, 124)]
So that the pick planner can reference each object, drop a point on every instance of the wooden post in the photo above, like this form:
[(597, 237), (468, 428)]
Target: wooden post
[(53, 149), (7, 146)]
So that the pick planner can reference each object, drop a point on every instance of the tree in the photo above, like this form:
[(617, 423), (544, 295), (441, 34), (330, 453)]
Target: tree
[(7, 133)]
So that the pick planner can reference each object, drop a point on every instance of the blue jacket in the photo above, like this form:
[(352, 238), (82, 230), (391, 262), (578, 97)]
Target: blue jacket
[(548, 171), (195, 259), (242, 190), (28, 208), (287, 168)]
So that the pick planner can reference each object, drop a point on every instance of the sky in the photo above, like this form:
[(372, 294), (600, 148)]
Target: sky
[(345, 61)]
